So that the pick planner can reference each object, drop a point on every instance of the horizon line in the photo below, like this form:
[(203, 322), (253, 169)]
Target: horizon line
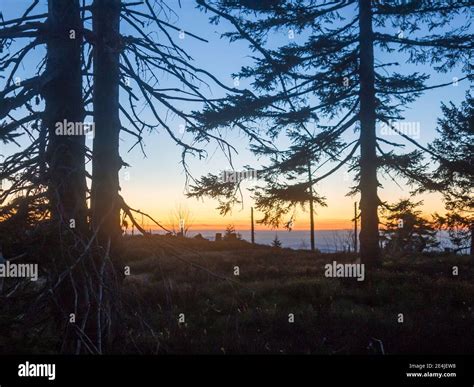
[(237, 230)]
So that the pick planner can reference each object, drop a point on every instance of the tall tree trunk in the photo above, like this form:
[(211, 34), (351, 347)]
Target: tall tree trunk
[(472, 243), (65, 156), (355, 228), (63, 104), (311, 207), (252, 226), (105, 204), (369, 233)]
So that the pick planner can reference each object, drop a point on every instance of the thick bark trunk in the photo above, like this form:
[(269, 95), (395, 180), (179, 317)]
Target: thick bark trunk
[(106, 164), (105, 203), (369, 234), (63, 104), (311, 208), (64, 112)]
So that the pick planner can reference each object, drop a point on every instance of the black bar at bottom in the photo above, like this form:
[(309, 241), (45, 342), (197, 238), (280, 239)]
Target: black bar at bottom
[(222, 370)]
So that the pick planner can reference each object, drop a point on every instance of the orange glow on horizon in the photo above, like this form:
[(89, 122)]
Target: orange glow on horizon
[(327, 224), (203, 215)]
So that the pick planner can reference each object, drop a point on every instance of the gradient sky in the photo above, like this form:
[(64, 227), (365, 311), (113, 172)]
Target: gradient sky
[(156, 184)]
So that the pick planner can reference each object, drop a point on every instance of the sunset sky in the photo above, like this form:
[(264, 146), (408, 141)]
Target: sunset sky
[(156, 184)]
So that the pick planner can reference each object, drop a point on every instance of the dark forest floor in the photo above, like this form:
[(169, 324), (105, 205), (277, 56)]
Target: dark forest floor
[(223, 313), (249, 313)]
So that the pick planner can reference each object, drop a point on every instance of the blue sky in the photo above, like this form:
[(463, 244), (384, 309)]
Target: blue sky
[(156, 184)]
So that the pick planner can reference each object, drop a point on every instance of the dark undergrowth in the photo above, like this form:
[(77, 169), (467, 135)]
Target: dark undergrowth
[(250, 313), (182, 297)]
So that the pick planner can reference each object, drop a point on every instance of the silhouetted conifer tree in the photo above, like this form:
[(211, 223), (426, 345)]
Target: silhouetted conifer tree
[(325, 66)]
